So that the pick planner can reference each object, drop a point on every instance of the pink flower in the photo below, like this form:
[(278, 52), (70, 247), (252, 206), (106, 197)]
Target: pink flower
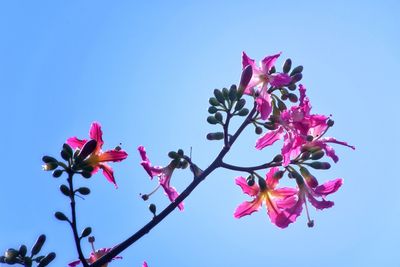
[(278, 201), (262, 77), (94, 256), (98, 158), (309, 191), (164, 175), (296, 125), (145, 264)]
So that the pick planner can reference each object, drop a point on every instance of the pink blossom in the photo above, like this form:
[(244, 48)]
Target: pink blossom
[(164, 175), (98, 158), (296, 125), (277, 200), (145, 264), (262, 77), (94, 256)]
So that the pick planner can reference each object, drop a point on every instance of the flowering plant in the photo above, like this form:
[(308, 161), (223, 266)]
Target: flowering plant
[(278, 105)]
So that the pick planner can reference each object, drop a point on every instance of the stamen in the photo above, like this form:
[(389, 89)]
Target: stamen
[(91, 241), (310, 222), (147, 196)]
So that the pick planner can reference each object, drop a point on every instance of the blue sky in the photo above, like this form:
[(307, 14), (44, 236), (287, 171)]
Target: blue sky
[(145, 71)]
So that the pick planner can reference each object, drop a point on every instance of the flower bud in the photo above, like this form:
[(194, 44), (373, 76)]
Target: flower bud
[(247, 73), (213, 101), (281, 105), (181, 153), (2, 259), (57, 173), (287, 65), (309, 138), (278, 158), (153, 209), (84, 191), (293, 98), (232, 93), (87, 231), (305, 155), (60, 216), (218, 116), (310, 179), (173, 155), (65, 190), (278, 175), (86, 174), (87, 149), (320, 165), (212, 110), (225, 93), (215, 136), (258, 130), (46, 260), (296, 70), (292, 87), (262, 183), (49, 166), (38, 245), (243, 112), (250, 180), (219, 96), (272, 70), (22, 250), (240, 104), (317, 155), (11, 255), (212, 120), (297, 77), (48, 159)]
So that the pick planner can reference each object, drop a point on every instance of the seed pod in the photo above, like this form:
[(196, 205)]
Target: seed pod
[(38, 245), (287, 65)]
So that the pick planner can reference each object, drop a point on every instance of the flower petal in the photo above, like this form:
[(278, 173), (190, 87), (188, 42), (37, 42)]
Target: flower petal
[(249, 190), (96, 134), (272, 182), (172, 194), (319, 204), (74, 263), (145, 264), (143, 154), (247, 61), (269, 138), (248, 207), (108, 173), (328, 187), (75, 142), (264, 106), (113, 155), (268, 62), (279, 79), (289, 215)]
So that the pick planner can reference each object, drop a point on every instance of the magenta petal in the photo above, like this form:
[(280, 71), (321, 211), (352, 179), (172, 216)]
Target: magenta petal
[(145, 264), (75, 142), (172, 194), (290, 215), (151, 171), (271, 181), (264, 107), (249, 190), (142, 152), (247, 208), (246, 60), (328, 187), (96, 134), (113, 155), (319, 204), (333, 140), (279, 79), (302, 91), (269, 138), (74, 263), (268, 62), (286, 191), (108, 173)]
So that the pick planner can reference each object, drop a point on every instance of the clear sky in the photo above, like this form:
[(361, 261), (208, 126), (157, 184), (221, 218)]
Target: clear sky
[(145, 71)]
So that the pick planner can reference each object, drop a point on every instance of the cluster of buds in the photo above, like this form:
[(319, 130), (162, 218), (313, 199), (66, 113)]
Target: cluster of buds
[(20, 256)]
